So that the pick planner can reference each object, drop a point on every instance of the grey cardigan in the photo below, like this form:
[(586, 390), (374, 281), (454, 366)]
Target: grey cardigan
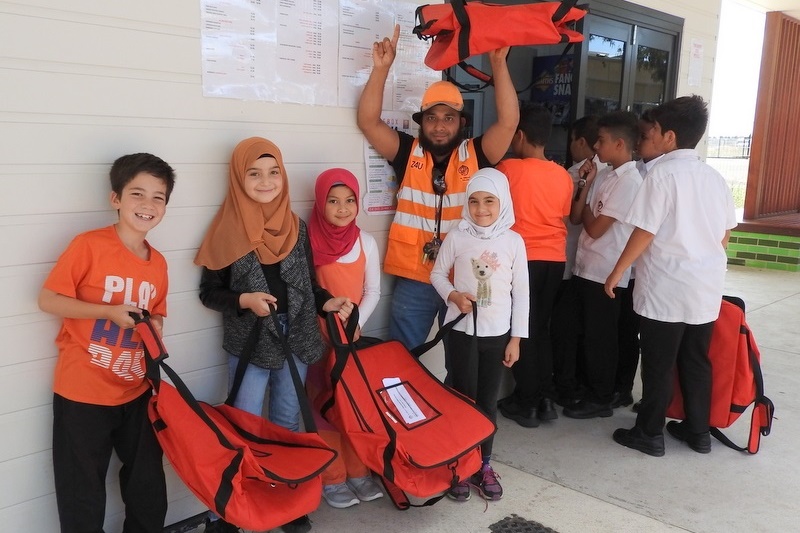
[(220, 290)]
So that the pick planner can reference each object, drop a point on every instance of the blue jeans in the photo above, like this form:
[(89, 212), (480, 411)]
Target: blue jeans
[(284, 407), (414, 306)]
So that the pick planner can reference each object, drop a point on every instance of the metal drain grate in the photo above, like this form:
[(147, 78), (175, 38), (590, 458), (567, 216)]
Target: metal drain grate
[(517, 524)]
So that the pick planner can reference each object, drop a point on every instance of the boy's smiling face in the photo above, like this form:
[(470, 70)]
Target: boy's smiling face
[(142, 204)]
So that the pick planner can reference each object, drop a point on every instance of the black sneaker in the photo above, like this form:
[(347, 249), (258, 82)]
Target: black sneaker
[(220, 526), (699, 442)]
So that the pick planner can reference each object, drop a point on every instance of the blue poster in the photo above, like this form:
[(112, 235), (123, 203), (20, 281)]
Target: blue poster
[(552, 85)]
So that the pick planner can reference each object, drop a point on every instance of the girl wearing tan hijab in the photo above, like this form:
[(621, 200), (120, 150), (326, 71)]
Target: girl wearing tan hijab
[(256, 256)]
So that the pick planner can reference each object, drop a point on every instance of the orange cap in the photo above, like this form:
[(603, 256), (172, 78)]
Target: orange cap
[(440, 92)]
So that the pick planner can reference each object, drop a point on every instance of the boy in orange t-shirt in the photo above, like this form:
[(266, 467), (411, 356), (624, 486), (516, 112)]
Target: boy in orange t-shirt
[(100, 394), (542, 192)]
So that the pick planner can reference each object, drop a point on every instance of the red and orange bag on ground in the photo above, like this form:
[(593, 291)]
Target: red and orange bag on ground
[(249, 471), (737, 381), (419, 435)]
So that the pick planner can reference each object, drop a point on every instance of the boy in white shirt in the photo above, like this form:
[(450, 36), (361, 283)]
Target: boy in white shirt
[(683, 216), (628, 319), (604, 235)]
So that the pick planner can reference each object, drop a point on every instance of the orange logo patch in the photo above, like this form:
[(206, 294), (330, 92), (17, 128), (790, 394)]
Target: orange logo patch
[(463, 171)]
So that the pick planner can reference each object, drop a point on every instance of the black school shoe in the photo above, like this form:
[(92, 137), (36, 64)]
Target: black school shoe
[(298, 525), (621, 399), (220, 526), (546, 410), (634, 438), (699, 442), (524, 416), (586, 409)]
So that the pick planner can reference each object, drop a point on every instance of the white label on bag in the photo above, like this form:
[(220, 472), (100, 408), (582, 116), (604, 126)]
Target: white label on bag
[(402, 401)]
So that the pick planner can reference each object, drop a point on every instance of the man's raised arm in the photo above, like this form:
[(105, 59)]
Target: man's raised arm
[(383, 138), (497, 137)]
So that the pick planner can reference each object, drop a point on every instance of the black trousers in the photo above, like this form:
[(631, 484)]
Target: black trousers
[(566, 336), (84, 436), (533, 373), (599, 316), (478, 375), (628, 333), (666, 345)]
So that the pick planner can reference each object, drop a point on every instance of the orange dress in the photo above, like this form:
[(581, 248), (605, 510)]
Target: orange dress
[(340, 279)]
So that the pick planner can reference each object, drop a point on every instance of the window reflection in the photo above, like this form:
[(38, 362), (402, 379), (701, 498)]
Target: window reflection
[(651, 78), (606, 59)]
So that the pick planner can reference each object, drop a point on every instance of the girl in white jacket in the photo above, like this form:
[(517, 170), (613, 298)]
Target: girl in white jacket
[(490, 268)]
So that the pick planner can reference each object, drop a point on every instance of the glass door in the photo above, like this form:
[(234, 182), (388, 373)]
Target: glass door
[(607, 59), (625, 66), (651, 72)]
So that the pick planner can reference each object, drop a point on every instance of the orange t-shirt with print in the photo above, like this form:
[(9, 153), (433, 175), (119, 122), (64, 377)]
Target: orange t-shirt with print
[(99, 362), (542, 195)]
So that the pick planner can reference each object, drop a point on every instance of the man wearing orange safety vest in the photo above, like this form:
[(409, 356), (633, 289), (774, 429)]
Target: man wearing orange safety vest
[(433, 172)]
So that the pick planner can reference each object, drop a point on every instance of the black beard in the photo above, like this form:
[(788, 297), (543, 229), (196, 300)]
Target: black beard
[(440, 150)]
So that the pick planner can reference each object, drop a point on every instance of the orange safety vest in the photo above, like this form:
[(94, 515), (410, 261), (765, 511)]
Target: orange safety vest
[(415, 219)]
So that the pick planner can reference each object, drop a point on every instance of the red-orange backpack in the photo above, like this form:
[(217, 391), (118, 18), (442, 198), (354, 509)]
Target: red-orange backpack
[(737, 381)]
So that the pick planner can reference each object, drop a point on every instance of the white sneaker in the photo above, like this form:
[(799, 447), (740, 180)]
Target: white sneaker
[(365, 488), (339, 496)]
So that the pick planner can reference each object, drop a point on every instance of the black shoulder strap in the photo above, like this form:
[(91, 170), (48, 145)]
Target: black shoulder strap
[(299, 388), (460, 12), (156, 353), (444, 330), (244, 360)]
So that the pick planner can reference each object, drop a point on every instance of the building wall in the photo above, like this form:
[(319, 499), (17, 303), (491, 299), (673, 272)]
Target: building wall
[(84, 82)]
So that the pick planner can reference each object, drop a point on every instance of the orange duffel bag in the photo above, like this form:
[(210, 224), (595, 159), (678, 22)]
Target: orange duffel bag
[(252, 473), (419, 435), (461, 29)]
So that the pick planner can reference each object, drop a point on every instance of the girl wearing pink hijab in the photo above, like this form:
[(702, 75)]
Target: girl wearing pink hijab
[(346, 263)]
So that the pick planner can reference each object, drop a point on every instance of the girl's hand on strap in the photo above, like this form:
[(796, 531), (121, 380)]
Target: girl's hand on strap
[(343, 307), (463, 301), (258, 302)]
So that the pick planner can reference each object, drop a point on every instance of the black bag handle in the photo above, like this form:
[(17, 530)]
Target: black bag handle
[(244, 360), (246, 355)]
